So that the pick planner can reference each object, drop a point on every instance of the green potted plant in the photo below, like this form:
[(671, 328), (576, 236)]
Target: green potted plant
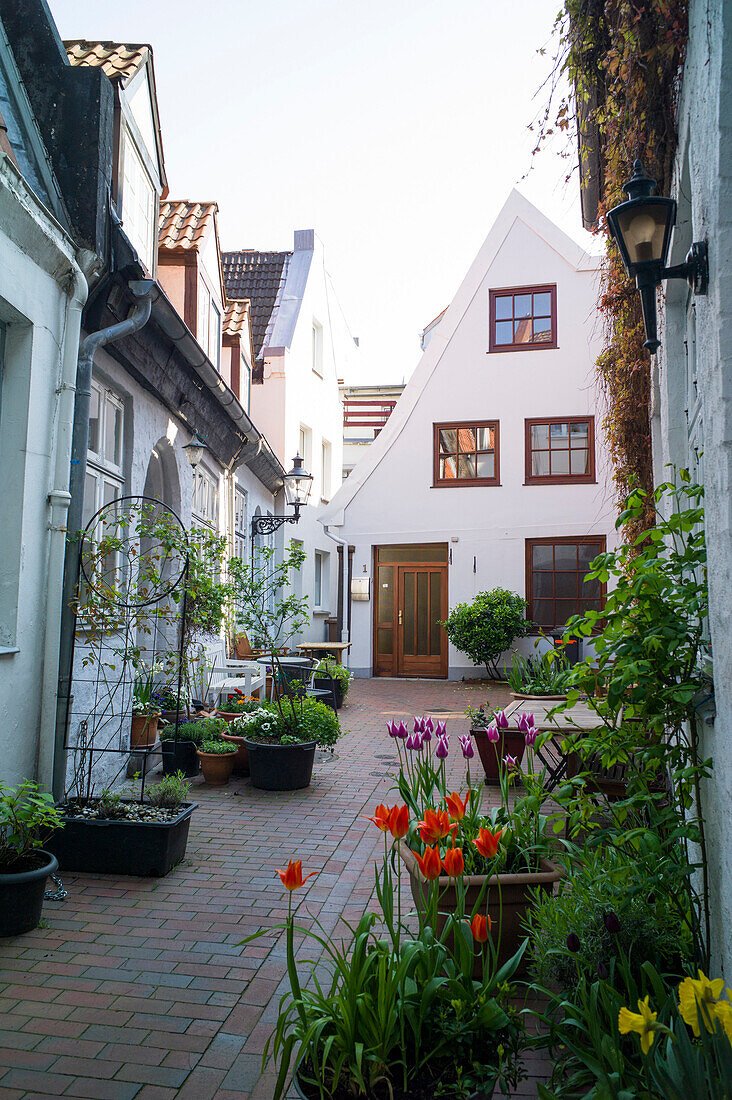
[(237, 705), (145, 712), (487, 627), (179, 748), (217, 761), (329, 669), (544, 676), (27, 818)]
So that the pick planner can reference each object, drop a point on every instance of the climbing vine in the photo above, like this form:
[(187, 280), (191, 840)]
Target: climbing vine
[(622, 62)]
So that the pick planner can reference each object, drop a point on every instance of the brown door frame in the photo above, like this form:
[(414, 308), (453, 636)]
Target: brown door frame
[(398, 657)]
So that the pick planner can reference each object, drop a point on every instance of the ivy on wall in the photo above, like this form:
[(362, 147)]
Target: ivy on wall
[(623, 61)]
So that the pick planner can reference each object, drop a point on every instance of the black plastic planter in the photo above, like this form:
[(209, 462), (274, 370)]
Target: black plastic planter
[(21, 895), (179, 756), (104, 847), (281, 767), (325, 682)]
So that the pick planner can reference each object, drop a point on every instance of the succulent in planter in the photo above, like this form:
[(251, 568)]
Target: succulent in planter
[(28, 817)]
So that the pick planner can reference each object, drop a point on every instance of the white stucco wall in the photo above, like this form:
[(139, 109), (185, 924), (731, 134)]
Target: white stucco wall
[(389, 498), (693, 403), (36, 259)]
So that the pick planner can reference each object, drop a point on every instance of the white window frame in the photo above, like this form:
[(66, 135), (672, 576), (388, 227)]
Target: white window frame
[(245, 385), (241, 527), (214, 335), (326, 466), (203, 317), (317, 348), (321, 573), (305, 441), (205, 504), (139, 217)]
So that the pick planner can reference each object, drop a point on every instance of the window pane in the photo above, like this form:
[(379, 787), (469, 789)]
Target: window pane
[(435, 612), (542, 584), (409, 609), (385, 642), (540, 464), (385, 595), (486, 465), (486, 439), (466, 466), (587, 553), (565, 556), (580, 462), (543, 612), (559, 434), (522, 331), (543, 557), (413, 553), (565, 610), (522, 305), (423, 644), (448, 469), (539, 435), (504, 307), (542, 304), (579, 431), (318, 579), (113, 433), (90, 498), (448, 440), (542, 330), (590, 588), (94, 420), (466, 439), (560, 463), (504, 332), (566, 584)]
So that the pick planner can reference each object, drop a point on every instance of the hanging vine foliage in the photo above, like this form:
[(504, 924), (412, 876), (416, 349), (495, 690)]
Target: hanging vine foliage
[(623, 61)]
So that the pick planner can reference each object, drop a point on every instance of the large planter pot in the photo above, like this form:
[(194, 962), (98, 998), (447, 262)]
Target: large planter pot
[(318, 682), (144, 730), (170, 716), (281, 767), (241, 760), (512, 742), (21, 894), (104, 847), (228, 715), (180, 756), (484, 1094), (216, 767), (506, 899)]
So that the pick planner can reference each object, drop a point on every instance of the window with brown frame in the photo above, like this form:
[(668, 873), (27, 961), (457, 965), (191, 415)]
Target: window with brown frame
[(523, 318), (466, 453), (560, 450), (555, 584)]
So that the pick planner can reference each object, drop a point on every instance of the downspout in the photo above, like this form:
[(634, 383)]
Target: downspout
[(59, 500), (142, 290), (345, 592)]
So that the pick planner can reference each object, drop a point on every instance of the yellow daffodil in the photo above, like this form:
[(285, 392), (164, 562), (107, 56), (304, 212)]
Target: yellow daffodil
[(723, 1012), (693, 993), (643, 1022)]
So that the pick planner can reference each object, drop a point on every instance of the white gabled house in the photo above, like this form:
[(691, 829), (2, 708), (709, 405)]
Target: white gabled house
[(491, 470)]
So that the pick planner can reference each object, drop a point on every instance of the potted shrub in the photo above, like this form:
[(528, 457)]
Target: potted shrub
[(112, 835), (145, 713), (494, 739), (217, 761), (487, 627), (27, 817), (545, 676), (166, 701), (282, 737), (505, 853), (236, 704), (337, 672)]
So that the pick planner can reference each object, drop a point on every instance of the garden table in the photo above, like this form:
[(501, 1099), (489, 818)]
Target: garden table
[(328, 649), (577, 719)]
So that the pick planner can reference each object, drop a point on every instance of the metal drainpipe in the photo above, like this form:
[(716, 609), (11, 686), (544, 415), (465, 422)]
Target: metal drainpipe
[(142, 291)]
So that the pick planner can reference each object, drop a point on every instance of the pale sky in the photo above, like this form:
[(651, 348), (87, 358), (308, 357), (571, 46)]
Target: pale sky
[(394, 128)]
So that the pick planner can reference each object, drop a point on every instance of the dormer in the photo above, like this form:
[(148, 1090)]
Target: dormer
[(139, 180), (238, 354), (189, 270)]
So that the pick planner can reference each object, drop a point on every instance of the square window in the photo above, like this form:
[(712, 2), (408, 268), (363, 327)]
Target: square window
[(523, 318), (555, 585), (466, 454), (560, 450)]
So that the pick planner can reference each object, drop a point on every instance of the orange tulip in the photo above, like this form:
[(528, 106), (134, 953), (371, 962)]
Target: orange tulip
[(380, 818), (453, 861), (292, 878), (480, 927), (487, 842), (399, 821), (430, 863), (456, 806), (436, 826)]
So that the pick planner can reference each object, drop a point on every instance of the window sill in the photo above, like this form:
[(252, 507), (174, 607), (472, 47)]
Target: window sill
[(523, 347), (9, 650), (321, 611), (472, 483), (561, 481)]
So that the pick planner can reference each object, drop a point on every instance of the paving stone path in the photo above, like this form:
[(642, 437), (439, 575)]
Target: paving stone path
[(139, 988)]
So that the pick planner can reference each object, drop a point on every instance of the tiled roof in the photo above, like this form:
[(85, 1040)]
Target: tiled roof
[(119, 60), (258, 277), (236, 318), (184, 224)]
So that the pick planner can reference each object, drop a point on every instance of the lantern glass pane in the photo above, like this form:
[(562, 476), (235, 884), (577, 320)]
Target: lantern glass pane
[(643, 229)]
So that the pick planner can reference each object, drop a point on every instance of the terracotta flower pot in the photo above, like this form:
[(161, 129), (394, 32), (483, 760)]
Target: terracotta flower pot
[(228, 715), (512, 742), (216, 767), (144, 731), (506, 900), (241, 760)]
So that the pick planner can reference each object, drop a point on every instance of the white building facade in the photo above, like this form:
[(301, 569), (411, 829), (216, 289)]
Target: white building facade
[(491, 471)]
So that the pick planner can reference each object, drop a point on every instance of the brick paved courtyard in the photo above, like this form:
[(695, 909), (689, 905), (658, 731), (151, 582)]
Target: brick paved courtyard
[(138, 988)]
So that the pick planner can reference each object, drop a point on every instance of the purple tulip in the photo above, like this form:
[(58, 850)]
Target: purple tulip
[(530, 737), (429, 725), (501, 720), (510, 761), (442, 749), (410, 740), (573, 942), (466, 744), (523, 723), (493, 734), (402, 732), (426, 735), (612, 922), (418, 724), (441, 729), (393, 729)]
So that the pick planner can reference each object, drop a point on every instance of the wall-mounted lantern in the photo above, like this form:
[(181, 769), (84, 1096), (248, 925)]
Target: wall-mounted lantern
[(641, 228), (194, 450), (298, 483)]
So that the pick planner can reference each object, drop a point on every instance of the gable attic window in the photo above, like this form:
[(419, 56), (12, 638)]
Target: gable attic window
[(523, 318), (560, 451), (138, 202), (466, 453)]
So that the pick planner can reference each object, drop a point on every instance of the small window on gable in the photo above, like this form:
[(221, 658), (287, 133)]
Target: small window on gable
[(560, 450), (523, 319)]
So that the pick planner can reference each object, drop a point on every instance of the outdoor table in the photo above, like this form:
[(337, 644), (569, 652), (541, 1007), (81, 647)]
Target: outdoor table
[(333, 649), (577, 719)]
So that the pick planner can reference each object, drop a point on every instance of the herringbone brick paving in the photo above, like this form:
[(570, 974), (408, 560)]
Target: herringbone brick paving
[(139, 988)]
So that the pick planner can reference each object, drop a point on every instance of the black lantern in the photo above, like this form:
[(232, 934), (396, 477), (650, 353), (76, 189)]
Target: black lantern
[(298, 483), (641, 228), (194, 450)]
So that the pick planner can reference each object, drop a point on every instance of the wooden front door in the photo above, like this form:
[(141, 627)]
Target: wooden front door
[(409, 606)]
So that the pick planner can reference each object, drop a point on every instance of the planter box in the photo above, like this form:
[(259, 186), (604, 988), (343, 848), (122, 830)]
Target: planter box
[(506, 900), (105, 847), (21, 895), (398, 1095), (512, 741), (281, 767)]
